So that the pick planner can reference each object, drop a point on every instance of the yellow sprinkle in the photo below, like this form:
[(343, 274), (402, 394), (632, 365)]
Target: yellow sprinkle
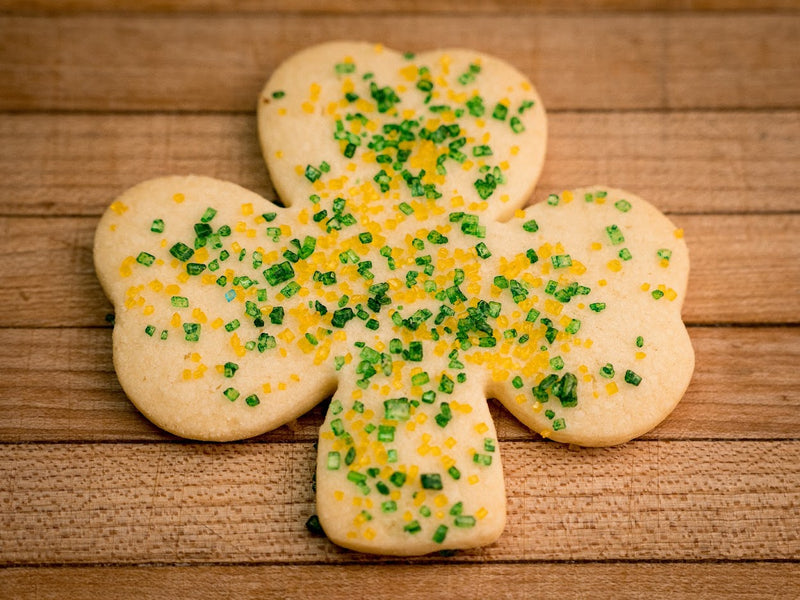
[(614, 265), (440, 500), (645, 287), (178, 198), (611, 388), (520, 399), (119, 207), (267, 387), (176, 320), (602, 283), (187, 374), (338, 494), (481, 513), (473, 479), (369, 533), (671, 294), (640, 355), (450, 442), (678, 233), (481, 428)]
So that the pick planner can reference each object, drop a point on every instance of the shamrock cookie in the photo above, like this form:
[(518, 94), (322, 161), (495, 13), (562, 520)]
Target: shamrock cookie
[(404, 279)]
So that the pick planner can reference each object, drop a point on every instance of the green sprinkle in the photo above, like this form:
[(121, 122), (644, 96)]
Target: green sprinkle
[(195, 268), (157, 226), (500, 112), (386, 433), (229, 369), (397, 409), (632, 378), (181, 251), (312, 173), (464, 521), (482, 250), (561, 260), (191, 331), (398, 478), (252, 400), (622, 205), (607, 371), (516, 125), (614, 234), (431, 481), (664, 253), (639, 341), (412, 527), (573, 326), (597, 306), (559, 424), (446, 384), (334, 461), (420, 378), (278, 94), (625, 254), (440, 534), (517, 382), (145, 259), (434, 237), (657, 294), (150, 330), (344, 68), (482, 459), (557, 363), (179, 301), (530, 226), (231, 394)]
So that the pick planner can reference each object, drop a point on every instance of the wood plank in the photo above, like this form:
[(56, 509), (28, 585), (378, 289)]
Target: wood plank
[(692, 162), (234, 503), (629, 581), (59, 385), (388, 6), (190, 62), (731, 254)]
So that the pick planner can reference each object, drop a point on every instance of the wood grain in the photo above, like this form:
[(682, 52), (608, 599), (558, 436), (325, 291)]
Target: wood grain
[(317, 7), (625, 581), (692, 104), (683, 162), (740, 268), (59, 385), (192, 63), (234, 503)]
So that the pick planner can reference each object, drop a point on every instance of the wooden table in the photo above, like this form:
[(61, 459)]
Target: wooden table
[(699, 112)]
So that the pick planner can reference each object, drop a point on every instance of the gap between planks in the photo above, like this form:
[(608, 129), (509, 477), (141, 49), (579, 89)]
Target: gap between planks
[(221, 63), (776, 581), (167, 503), (740, 268), (59, 386), (76, 164)]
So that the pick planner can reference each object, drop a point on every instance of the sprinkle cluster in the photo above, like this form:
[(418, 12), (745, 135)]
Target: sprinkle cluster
[(393, 279)]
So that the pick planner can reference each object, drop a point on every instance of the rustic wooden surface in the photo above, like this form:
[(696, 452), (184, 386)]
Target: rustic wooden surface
[(693, 105)]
